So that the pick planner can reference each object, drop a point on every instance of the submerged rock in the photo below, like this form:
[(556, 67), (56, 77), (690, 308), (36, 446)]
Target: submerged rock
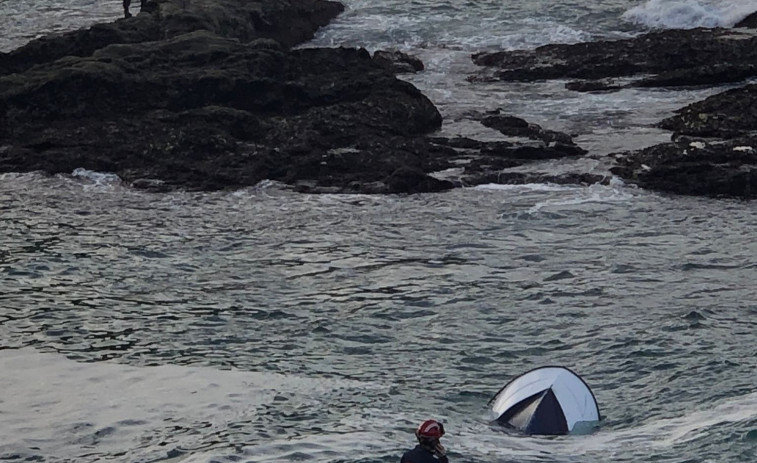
[(599, 85), (517, 127)]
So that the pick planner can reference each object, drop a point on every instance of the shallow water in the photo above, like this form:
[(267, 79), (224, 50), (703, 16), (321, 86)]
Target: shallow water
[(268, 326)]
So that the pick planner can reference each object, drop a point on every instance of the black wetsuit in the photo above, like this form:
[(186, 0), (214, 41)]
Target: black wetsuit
[(421, 454)]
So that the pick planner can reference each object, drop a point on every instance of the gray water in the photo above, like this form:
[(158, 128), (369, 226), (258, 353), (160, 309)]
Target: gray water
[(268, 326)]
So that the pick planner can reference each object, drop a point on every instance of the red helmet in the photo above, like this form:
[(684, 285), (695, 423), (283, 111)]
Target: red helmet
[(430, 429)]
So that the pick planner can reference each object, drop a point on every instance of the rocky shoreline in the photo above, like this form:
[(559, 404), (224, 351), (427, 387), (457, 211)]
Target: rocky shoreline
[(210, 94), (713, 148)]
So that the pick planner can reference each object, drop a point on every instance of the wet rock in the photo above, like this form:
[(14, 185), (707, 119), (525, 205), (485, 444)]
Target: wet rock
[(713, 153), (693, 57), (467, 162), (208, 95), (289, 22), (517, 127), (748, 22), (713, 149), (397, 61), (601, 85), (204, 112), (715, 169), (709, 75), (726, 115), (414, 180)]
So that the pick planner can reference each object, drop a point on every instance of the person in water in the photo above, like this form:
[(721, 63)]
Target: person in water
[(429, 448)]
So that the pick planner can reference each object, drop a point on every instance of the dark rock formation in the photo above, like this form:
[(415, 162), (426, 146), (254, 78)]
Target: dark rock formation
[(674, 57), (714, 148), (204, 112), (717, 169), (398, 61), (600, 85), (517, 127), (289, 22), (714, 152), (208, 95), (730, 114), (749, 22)]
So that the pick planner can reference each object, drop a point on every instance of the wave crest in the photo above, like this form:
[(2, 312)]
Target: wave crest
[(688, 14)]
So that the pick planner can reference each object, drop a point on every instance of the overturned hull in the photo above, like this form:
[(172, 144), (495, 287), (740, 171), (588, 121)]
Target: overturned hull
[(546, 401)]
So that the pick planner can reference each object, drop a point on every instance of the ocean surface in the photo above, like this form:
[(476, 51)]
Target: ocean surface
[(264, 325)]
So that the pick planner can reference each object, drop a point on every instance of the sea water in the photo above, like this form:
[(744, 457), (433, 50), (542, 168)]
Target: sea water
[(267, 326)]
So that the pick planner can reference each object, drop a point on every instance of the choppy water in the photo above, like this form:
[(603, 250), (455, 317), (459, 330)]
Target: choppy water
[(268, 326)]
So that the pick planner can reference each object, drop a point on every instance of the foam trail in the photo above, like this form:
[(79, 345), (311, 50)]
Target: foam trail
[(59, 405), (661, 433), (543, 187), (688, 14), (672, 431)]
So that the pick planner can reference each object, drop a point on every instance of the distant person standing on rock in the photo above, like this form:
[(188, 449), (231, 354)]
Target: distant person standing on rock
[(126, 7)]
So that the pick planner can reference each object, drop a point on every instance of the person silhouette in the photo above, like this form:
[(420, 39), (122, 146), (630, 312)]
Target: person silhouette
[(127, 3)]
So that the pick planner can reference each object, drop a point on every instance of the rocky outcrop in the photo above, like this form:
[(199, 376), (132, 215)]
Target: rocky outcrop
[(516, 127), (289, 22), (672, 57), (204, 112), (713, 153), (211, 97), (398, 62), (704, 168), (748, 22), (727, 115)]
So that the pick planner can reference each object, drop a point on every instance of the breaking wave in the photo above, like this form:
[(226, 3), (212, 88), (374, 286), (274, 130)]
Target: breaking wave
[(688, 14)]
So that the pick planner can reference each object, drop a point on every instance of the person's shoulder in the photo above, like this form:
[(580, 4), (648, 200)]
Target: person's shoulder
[(418, 455), (407, 457)]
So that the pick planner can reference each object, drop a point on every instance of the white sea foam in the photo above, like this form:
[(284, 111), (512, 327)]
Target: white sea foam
[(56, 401), (532, 33), (659, 433), (687, 14), (547, 187), (613, 193), (97, 178)]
